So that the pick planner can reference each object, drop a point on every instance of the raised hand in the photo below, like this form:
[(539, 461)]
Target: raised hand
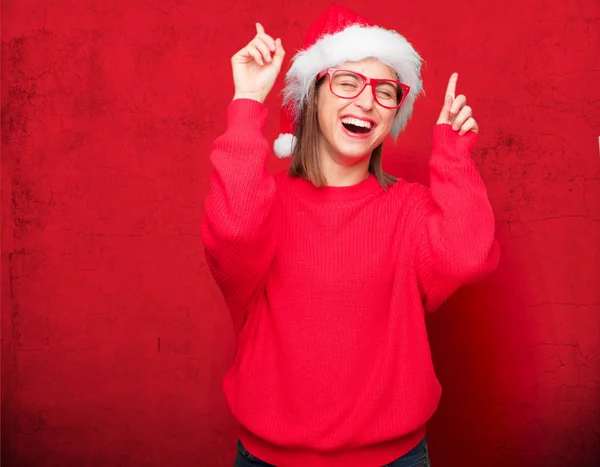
[(456, 112), (256, 66)]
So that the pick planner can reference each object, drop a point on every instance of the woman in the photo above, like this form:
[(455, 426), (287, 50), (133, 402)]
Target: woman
[(328, 268)]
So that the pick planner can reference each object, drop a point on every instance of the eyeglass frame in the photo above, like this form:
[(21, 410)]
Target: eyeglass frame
[(366, 81)]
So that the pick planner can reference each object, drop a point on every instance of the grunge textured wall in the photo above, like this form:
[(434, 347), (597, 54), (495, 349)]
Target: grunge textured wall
[(114, 336)]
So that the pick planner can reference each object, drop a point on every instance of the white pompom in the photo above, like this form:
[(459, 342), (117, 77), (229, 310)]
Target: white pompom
[(284, 145)]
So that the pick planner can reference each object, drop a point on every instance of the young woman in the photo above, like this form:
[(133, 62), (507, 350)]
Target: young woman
[(328, 268)]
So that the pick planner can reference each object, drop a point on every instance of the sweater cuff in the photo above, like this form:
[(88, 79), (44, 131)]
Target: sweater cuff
[(246, 113), (445, 138)]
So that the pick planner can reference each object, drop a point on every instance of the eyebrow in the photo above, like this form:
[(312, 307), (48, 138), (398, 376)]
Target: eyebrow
[(396, 78)]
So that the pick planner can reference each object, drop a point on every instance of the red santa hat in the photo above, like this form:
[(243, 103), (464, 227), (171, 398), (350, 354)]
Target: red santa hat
[(336, 37)]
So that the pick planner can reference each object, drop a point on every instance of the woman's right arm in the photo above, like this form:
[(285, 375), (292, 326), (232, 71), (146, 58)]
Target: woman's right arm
[(237, 229)]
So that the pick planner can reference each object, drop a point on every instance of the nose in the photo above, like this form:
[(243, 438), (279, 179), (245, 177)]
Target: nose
[(365, 100)]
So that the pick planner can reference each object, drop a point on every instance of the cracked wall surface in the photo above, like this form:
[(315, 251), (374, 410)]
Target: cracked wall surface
[(114, 336)]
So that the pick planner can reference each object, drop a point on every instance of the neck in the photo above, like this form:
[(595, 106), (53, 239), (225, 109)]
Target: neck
[(344, 171)]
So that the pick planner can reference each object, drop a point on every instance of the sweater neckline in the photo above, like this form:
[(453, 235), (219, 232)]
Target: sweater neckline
[(363, 189)]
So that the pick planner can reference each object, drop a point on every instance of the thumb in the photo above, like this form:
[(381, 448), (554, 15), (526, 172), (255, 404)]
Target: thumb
[(279, 52), (445, 113)]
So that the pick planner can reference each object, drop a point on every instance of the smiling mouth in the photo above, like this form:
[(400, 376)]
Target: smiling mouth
[(357, 126), (361, 130)]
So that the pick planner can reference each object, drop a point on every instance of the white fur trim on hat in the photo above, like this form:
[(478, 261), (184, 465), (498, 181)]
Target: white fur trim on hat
[(284, 145), (353, 44)]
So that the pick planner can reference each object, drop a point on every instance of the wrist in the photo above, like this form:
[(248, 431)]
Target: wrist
[(255, 96), (246, 113)]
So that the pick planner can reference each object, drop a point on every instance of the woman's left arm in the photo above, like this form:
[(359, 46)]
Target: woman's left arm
[(456, 241)]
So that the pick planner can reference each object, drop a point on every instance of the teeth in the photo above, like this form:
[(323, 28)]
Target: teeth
[(356, 122)]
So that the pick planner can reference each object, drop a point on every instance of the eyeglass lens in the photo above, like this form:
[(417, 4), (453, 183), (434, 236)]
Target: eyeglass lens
[(349, 85)]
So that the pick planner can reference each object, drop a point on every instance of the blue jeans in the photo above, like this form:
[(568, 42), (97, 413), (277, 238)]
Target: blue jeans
[(417, 457)]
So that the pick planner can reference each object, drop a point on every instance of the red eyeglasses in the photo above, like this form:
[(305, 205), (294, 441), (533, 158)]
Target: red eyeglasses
[(348, 84)]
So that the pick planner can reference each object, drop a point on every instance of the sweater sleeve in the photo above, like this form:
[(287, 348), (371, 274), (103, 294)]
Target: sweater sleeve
[(456, 242), (237, 229)]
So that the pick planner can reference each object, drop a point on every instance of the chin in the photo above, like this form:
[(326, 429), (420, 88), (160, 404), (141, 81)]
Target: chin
[(354, 151), (356, 148)]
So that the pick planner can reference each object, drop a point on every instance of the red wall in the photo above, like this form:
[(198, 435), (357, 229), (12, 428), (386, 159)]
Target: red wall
[(114, 336)]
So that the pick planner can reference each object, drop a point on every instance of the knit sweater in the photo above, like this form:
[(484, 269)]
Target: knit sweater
[(328, 289)]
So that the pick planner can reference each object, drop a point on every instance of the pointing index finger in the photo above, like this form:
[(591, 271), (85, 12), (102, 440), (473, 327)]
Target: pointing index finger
[(451, 90), (260, 32)]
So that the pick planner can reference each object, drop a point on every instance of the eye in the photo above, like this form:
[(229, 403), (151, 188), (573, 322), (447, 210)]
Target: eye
[(346, 80), (385, 94), (387, 91)]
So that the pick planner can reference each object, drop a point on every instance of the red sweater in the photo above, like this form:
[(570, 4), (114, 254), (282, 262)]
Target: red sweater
[(327, 288)]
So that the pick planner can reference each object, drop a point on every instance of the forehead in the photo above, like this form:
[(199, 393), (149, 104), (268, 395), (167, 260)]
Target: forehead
[(370, 67)]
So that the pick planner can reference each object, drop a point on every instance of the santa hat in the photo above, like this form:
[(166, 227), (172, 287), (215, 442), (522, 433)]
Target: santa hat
[(340, 36)]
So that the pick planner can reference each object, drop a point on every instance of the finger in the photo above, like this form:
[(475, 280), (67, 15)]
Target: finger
[(279, 53), (469, 125), (458, 104), (451, 89), (445, 113), (263, 48), (260, 32), (255, 54), (267, 40), (465, 113), (279, 50)]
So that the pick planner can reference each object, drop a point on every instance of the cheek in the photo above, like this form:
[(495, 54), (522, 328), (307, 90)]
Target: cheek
[(386, 122), (327, 114), (323, 121)]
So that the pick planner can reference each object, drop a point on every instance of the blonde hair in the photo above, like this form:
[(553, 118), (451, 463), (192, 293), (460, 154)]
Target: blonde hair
[(305, 162)]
